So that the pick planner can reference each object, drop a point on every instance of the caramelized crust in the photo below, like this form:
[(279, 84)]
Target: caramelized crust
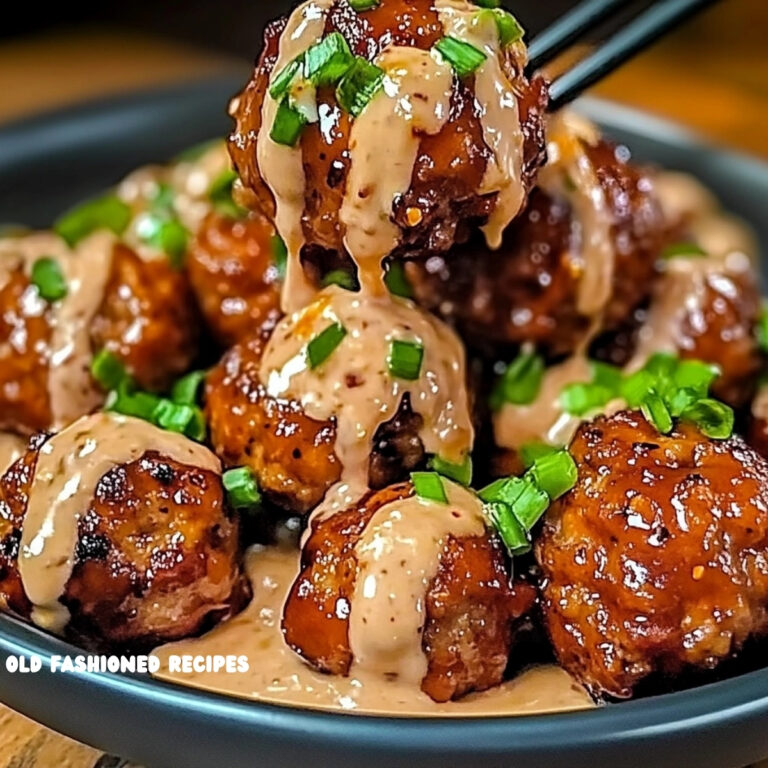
[(147, 319), (449, 167), (656, 560), (233, 275), (470, 606), (528, 290), (156, 559)]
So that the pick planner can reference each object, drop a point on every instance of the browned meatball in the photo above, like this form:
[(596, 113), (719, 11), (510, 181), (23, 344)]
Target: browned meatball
[(655, 561), (292, 454), (470, 607), (528, 290), (450, 165), (147, 319), (232, 270), (156, 556)]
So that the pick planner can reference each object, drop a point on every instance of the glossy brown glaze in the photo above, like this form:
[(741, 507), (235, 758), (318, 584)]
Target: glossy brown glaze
[(469, 605), (449, 167), (656, 560), (156, 558), (528, 291), (233, 275), (147, 319)]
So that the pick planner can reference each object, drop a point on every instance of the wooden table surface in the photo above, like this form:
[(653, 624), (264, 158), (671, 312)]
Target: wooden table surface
[(712, 76)]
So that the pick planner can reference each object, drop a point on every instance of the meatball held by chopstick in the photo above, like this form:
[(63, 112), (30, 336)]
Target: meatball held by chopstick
[(144, 550), (361, 131), (411, 589), (654, 562), (61, 306)]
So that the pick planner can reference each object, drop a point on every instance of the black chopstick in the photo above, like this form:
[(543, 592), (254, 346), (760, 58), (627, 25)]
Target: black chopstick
[(638, 34), (568, 28)]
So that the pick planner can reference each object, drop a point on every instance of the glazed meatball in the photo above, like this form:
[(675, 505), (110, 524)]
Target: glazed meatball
[(447, 184), (469, 606), (291, 453), (528, 290), (232, 270), (156, 557), (655, 561), (147, 319)]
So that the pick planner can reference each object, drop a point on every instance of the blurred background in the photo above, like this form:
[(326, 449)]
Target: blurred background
[(712, 75)]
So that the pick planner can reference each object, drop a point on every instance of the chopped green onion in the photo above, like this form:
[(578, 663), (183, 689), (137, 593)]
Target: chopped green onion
[(488, 3), (364, 5), (461, 473), (168, 235), (531, 504), (186, 390), (532, 451), (341, 277), (405, 359), (656, 412), (326, 62), (579, 399), (288, 126), (242, 488), (162, 200), (713, 418), (510, 30), (636, 387), (361, 83), (397, 281), (515, 537), (322, 346), (279, 254), (463, 57), (662, 365), (49, 280), (282, 82), (429, 486), (107, 369), (521, 381), (174, 417), (129, 401), (108, 212), (608, 376), (685, 250), (507, 490), (220, 194), (555, 473), (695, 375)]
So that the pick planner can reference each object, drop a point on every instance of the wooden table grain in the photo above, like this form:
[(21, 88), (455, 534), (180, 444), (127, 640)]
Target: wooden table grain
[(712, 76)]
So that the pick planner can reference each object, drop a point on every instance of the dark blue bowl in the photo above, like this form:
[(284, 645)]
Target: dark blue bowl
[(50, 162)]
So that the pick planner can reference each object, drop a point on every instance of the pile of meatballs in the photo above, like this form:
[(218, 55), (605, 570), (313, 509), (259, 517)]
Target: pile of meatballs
[(652, 565)]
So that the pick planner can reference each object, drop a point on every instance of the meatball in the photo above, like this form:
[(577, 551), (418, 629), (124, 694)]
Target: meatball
[(292, 454), (232, 270), (156, 552), (528, 291), (455, 173), (655, 561), (463, 617)]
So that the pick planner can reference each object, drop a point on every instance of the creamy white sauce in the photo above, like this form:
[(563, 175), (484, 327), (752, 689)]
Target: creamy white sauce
[(68, 469), (277, 675), (86, 270), (383, 146), (398, 556), (354, 384), (282, 167), (500, 116)]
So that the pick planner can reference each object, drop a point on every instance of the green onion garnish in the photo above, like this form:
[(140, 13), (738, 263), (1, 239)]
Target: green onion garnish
[(221, 187), (341, 277), (326, 62), (713, 418), (129, 401), (405, 359), (107, 369), (242, 488), (322, 346), (463, 57), (397, 281), (686, 250), (636, 387), (696, 376), (175, 417), (187, 389), (49, 280), (279, 254), (531, 504), (521, 381), (532, 451), (510, 30), (288, 126), (488, 3), (656, 412), (507, 489), (108, 212), (461, 473), (282, 82), (555, 473), (364, 5), (361, 83), (516, 539), (168, 235), (429, 486)]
